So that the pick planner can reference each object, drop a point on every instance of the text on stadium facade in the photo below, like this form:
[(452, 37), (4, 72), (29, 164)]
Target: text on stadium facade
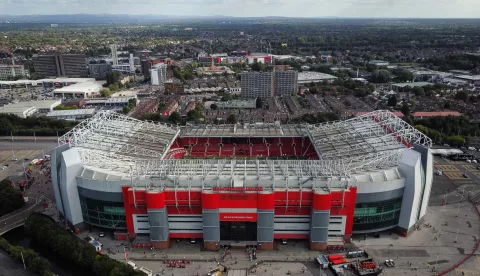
[(238, 189)]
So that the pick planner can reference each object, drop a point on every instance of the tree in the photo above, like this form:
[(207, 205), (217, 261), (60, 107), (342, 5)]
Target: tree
[(461, 96), (213, 106), (227, 97), (114, 87), (403, 75), (405, 109), (194, 115), (132, 102), (447, 105), (418, 91), (259, 103), (175, 118), (113, 77), (392, 101), (5, 126), (257, 66), (11, 199), (380, 76), (231, 119), (105, 92), (126, 109)]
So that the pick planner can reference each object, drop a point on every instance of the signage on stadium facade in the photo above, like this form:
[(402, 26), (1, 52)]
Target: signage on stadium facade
[(238, 189), (238, 217)]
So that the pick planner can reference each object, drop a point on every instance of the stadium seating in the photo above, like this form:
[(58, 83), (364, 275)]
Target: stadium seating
[(245, 147)]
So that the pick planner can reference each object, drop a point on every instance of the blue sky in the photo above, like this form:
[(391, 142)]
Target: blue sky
[(292, 8)]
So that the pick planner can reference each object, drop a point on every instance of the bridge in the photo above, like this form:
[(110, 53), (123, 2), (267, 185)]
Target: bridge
[(17, 218)]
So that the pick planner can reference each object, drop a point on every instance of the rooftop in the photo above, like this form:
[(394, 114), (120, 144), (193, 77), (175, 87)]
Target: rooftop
[(466, 77), (412, 84), (84, 87), (311, 76), (437, 114), (36, 104), (236, 104), (120, 137), (74, 112), (111, 142), (63, 80)]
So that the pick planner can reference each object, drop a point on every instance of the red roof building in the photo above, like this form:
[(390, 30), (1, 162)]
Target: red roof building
[(422, 114)]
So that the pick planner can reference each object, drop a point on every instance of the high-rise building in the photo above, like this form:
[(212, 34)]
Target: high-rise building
[(267, 84), (60, 65), (257, 85), (99, 70), (113, 48), (285, 83), (158, 74)]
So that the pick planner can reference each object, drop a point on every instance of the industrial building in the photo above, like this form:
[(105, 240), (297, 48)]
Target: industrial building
[(25, 109), (268, 84), (13, 71), (79, 90), (475, 80), (60, 65), (250, 183)]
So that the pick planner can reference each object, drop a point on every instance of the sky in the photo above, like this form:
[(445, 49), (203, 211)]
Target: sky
[(252, 8)]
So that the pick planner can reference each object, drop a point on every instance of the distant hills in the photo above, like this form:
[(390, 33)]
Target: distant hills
[(125, 18)]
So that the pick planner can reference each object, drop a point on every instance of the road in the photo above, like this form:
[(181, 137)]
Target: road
[(41, 190), (17, 218)]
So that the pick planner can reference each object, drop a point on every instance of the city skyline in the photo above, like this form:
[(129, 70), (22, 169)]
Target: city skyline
[(251, 8)]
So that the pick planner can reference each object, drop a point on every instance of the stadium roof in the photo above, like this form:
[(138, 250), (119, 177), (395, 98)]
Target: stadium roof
[(115, 143), (121, 137)]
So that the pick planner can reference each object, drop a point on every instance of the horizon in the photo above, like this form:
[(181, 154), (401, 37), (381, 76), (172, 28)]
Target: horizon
[(388, 9)]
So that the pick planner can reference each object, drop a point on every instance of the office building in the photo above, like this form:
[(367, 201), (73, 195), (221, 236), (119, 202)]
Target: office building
[(99, 70), (60, 65)]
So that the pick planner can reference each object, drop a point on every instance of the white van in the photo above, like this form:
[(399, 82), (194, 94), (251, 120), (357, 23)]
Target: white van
[(132, 264)]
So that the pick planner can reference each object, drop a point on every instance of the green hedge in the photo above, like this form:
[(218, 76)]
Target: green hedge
[(46, 233), (33, 261)]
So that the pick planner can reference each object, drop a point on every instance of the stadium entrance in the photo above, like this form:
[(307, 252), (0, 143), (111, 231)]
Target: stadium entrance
[(238, 231)]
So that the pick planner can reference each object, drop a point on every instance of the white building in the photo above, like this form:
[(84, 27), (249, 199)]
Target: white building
[(25, 109), (11, 71), (76, 114), (308, 77), (79, 90), (475, 80), (158, 74), (379, 62)]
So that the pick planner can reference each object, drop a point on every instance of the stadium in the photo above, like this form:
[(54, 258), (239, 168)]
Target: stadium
[(250, 183)]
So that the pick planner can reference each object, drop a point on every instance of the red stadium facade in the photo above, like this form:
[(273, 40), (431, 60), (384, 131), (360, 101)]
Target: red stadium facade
[(292, 210), (243, 207)]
